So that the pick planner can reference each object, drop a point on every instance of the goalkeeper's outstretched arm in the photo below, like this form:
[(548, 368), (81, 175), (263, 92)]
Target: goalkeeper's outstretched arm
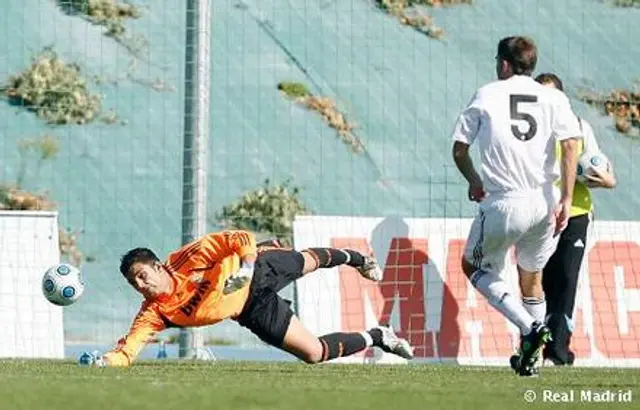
[(146, 325)]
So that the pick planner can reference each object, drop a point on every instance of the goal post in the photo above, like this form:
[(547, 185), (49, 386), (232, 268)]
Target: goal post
[(196, 140)]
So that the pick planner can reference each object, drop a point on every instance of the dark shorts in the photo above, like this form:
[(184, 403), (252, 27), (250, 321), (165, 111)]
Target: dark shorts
[(266, 314)]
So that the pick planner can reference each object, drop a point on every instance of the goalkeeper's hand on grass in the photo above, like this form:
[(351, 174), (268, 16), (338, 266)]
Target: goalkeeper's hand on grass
[(239, 279), (94, 359)]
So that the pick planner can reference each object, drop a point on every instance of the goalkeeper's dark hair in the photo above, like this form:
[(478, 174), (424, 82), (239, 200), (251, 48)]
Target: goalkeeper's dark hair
[(137, 255), (550, 78)]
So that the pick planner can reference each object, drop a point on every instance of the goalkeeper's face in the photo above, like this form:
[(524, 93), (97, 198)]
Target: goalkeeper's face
[(151, 280)]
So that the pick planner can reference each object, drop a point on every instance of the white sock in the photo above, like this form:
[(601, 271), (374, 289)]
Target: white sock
[(367, 338), (499, 296), (537, 307)]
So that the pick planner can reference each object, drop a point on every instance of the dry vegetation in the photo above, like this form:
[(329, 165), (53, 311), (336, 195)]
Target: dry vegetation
[(270, 210), (14, 198), (626, 3), (407, 13), (622, 105), (440, 3), (56, 91), (111, 14), (45, 148), (326, 107)]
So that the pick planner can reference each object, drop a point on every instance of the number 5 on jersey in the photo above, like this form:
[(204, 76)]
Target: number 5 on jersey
[(518, 114)]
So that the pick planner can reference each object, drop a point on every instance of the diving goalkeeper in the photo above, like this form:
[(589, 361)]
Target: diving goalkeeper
[(225, 275)]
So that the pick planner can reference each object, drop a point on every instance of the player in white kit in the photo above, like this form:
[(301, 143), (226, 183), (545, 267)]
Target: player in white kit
[(516, 123)]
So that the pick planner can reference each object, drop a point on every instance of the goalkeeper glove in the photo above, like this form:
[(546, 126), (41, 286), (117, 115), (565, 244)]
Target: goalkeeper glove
[(239, 279), (91, 359)]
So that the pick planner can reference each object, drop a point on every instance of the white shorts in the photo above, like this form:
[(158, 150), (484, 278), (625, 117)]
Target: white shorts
[(524, 221)]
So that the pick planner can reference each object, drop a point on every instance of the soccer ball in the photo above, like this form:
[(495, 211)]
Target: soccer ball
[(590, 161), (62, 284)]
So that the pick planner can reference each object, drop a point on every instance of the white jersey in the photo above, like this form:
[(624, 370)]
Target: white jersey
[(516, 123), (589, 142)]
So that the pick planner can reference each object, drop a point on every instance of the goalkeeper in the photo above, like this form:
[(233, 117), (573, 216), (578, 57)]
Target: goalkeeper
[(560, 275), (225, 275)]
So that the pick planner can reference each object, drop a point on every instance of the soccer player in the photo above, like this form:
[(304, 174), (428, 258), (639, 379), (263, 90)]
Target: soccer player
[(560, 275), (225, 275), (516, 122)]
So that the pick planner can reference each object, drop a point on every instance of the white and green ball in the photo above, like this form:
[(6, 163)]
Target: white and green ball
[(590, 162), (62, 284)]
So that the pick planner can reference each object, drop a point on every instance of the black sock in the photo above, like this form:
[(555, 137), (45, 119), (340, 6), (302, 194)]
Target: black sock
[(356, 259), (336, 345), (376, 336), (330, 257)]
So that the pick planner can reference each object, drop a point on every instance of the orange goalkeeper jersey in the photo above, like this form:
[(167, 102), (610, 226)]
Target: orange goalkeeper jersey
[(198, 270)]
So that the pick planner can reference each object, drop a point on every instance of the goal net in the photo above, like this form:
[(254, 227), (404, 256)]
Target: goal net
[(31, 326)]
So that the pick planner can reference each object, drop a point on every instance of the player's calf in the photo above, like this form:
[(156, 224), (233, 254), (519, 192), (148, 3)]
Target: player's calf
[(323, 258), (336, 345), (499, 295)]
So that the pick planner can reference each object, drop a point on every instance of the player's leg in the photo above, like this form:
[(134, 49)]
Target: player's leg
[(552, 279), (531, 343), (560, 281), (277, 268), (321, 258), (490, 237), (532, 291), (311, 349), (270, 318), (533, 250)]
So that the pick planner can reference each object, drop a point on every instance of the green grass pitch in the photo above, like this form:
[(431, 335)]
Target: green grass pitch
[(62, 385)]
